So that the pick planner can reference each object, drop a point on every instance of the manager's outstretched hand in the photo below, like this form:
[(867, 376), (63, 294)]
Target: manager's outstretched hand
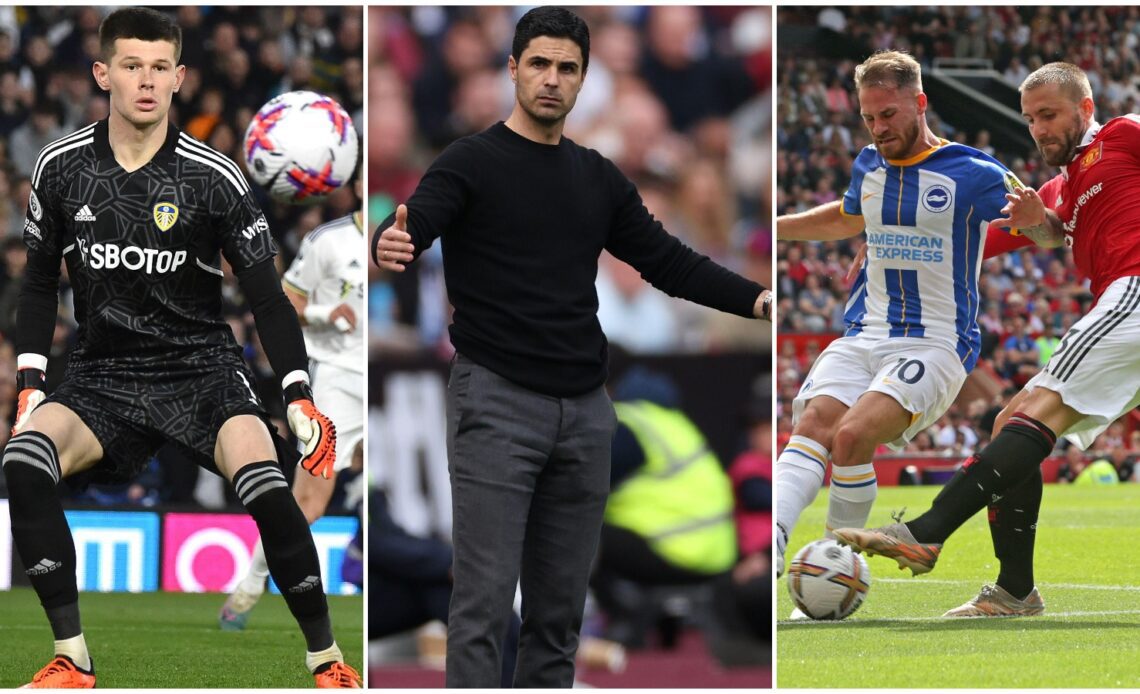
[(393, 248)]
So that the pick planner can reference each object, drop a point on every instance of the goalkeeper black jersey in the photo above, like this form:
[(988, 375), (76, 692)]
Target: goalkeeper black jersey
[(143, 249)]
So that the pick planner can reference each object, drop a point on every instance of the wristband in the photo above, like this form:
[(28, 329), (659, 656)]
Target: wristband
[(30, 371), (31, 360), (29, 377), (317, 314), (298, 390), (294, 376)]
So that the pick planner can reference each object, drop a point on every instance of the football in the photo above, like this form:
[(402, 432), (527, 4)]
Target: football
[(300, 147), (827, 580)]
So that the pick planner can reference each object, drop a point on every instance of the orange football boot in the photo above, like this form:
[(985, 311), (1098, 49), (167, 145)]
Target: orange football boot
[(337, 675), (63, 673)]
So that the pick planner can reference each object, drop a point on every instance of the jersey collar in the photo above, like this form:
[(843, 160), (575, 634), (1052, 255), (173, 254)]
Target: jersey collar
[(911, 161), (1090, 134), (1094, 129), (103, 142)]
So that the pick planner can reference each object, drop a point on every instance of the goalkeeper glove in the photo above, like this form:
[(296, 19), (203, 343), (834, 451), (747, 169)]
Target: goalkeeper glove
[(314, 430), (29, 388)]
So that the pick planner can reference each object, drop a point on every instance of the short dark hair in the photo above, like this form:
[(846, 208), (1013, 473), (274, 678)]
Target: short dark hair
[(138, 23), (555, 22)]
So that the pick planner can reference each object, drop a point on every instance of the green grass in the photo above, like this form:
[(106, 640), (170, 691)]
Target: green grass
[(1086, 571), (173, 640)]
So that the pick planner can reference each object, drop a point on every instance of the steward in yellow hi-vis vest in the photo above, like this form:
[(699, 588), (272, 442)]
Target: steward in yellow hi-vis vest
[(1100, 471), (680, 501)]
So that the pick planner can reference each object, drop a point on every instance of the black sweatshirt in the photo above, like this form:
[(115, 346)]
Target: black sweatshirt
[(523, 224)]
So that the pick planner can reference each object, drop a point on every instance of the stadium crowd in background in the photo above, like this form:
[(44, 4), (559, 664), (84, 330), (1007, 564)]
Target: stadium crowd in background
[(237, 58), (1029, 297), (678, 97)]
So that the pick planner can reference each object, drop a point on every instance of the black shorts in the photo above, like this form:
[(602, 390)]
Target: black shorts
[(132, 416)]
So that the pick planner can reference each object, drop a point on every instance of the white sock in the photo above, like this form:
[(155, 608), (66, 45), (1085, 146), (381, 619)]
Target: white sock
[(255, 578), (853, 492), (76, 649), (799, 475), (329, 655)]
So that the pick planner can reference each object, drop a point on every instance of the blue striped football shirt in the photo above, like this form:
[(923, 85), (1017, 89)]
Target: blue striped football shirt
[(926, 220)]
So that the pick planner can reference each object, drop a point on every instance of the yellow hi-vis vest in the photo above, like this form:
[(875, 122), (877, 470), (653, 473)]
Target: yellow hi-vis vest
[(680, 500), (1100, 471)]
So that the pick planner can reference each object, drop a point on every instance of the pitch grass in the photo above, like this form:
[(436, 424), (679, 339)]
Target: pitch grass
[(1086, 570), (160, 640)]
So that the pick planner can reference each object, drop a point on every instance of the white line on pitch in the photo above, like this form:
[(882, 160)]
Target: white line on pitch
[(874, 620), (166, 629), (959, 582)]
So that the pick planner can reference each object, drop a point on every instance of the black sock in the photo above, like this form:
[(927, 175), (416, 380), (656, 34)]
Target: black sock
[(1011, 457), (64, 621), (1013, 527), (39, 528), (289, 548)]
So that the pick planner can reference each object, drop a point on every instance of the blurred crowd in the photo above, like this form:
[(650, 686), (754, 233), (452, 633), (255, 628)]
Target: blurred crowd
[(677, 97), (1029, 298), (236, 58)]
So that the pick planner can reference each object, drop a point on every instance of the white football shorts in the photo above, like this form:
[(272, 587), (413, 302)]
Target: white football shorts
[(1096, 368), (922, 376)]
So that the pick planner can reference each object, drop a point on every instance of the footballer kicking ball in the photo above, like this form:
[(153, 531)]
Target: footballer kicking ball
[(300, 147), (828, 580)]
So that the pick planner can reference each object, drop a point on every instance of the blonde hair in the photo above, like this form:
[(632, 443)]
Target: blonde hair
[(1072, 80), (889, 69)]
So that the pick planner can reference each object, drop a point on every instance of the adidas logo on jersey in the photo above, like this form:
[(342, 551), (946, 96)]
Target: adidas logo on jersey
[(306, 585), (84, 215), (43, 566)]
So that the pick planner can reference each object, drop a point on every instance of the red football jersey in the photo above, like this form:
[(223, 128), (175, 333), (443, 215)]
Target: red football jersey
[(1097, 204)]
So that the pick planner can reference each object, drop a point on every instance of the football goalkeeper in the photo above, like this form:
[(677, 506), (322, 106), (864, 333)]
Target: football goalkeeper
[(141, 212)]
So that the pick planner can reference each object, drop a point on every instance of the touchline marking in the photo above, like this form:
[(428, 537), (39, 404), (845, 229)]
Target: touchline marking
[(180, 630), (1027, 620), (948, 582)]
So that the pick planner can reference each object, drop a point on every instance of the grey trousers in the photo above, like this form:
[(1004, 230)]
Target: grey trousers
[(529, 481)]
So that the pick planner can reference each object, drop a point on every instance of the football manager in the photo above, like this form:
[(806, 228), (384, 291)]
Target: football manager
[(523, 214)]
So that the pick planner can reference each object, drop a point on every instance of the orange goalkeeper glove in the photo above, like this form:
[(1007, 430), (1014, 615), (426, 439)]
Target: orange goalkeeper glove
[(314, 430), (30, 389)]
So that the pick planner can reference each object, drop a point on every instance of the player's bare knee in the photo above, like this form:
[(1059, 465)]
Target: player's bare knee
[(242, 439), (815, 425), (312, 494), (1047, 406), (848, 444), (313, 498), (75, 446), (313, 509)]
